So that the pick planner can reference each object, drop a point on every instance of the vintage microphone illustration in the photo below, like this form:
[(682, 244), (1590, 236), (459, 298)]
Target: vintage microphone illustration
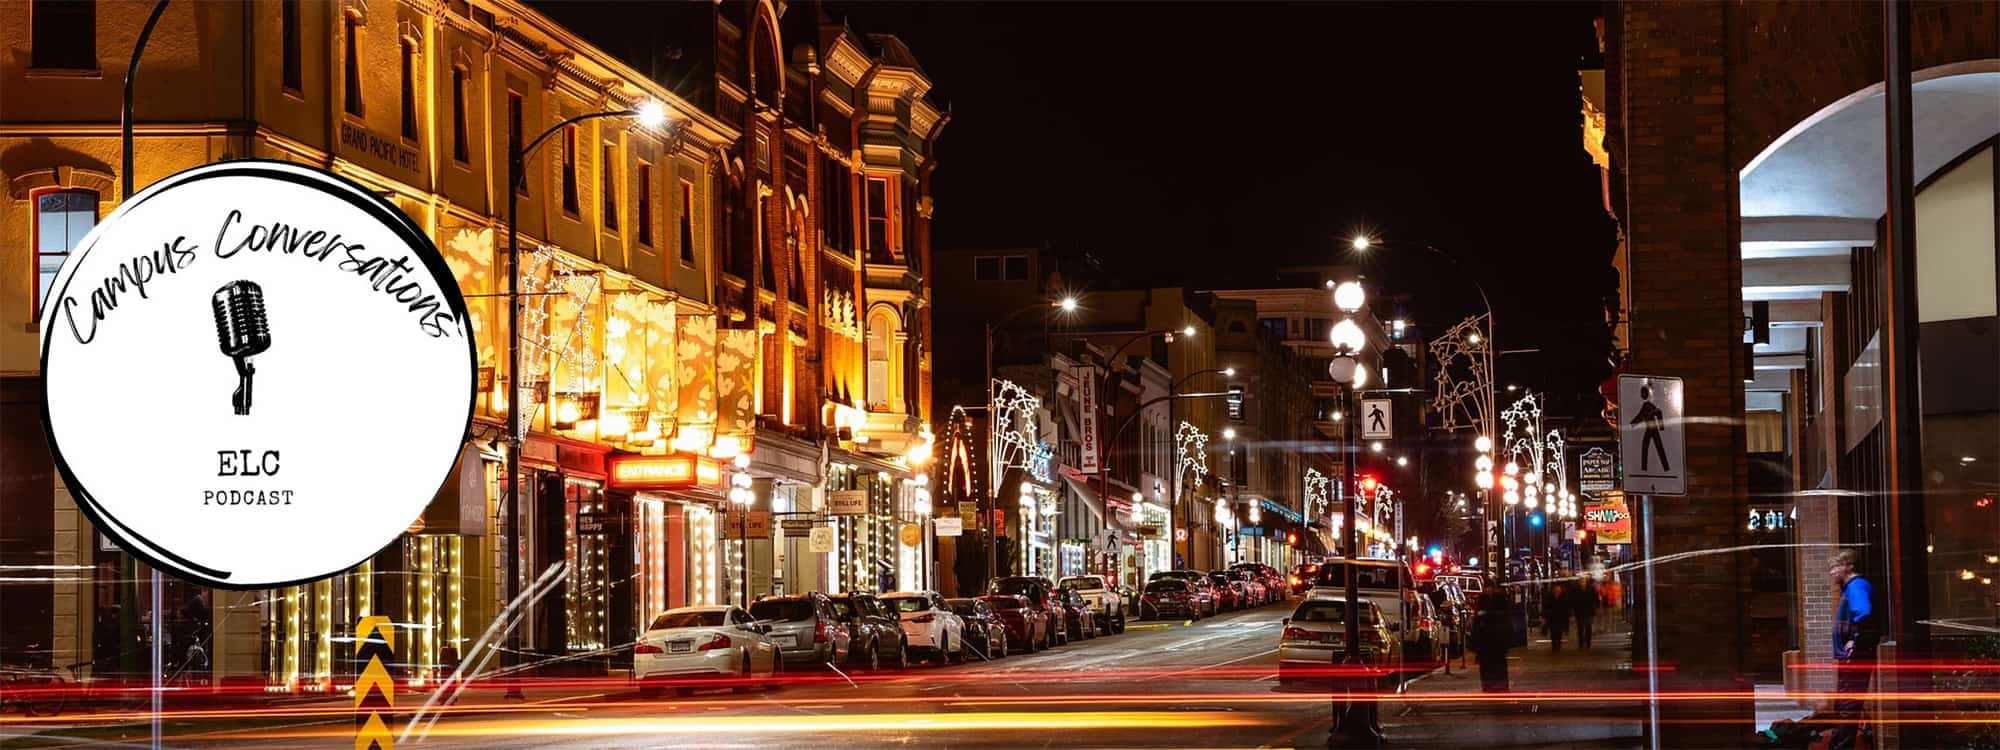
[(244, 332)]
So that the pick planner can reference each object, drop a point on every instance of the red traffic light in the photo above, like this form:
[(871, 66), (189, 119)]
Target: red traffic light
[(1367, 484), (1292, 538)]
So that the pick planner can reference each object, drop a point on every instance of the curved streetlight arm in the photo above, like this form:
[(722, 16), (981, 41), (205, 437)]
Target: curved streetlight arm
[(1467, 275), (529, 149), (1190, 376)]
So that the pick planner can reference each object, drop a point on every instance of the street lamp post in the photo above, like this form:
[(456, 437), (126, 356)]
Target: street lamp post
[(1174, 498), (1485, 423), (993, 470), (1356, 721), (651, 114)]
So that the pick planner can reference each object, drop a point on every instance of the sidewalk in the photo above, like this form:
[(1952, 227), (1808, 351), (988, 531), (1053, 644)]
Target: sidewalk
[(1548, 703)]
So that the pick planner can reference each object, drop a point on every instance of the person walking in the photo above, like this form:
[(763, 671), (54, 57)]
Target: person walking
[(1855, 635), (1555, 616), (1583, 607), (1492, 636)]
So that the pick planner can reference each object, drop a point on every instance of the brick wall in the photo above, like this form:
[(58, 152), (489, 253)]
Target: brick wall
[(1679, 216), (1818, 524)]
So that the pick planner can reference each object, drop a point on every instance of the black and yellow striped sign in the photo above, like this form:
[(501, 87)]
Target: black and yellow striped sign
[(375, 689)]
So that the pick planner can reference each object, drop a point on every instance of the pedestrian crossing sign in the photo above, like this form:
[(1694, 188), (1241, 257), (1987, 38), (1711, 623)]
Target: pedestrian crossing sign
[(1378, 419), (1652, 437)]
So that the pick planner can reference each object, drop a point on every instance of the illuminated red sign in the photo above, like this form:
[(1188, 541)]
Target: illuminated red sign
[(664, 472)]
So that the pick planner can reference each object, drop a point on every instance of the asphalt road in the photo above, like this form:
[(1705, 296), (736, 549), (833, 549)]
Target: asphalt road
[(1161, 684)]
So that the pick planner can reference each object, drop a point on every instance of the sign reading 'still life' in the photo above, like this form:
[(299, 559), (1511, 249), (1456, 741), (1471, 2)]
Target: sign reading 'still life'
[(256, 374)]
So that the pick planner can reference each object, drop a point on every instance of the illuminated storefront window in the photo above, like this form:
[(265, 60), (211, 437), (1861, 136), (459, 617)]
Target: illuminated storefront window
[(588, 583), (649, 558), (433, 569), (701, 548)]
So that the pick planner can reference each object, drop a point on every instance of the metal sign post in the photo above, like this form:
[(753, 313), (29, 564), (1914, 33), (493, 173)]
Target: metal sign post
[(1652, 631)]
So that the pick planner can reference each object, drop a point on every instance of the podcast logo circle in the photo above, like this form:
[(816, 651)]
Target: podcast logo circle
[(255, 373)]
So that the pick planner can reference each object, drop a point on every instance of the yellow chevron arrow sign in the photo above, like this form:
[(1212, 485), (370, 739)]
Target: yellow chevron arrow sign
[(375, 689)]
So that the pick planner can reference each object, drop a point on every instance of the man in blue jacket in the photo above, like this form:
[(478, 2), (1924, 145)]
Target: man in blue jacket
[(1855, 634)]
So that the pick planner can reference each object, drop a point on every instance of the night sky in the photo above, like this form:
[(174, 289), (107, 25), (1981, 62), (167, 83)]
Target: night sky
[(1205, 145)]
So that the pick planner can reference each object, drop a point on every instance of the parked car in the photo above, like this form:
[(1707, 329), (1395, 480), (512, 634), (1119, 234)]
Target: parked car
[(1386, 583), (1204, 589), (1269, 577), (804, 628), (1170, 597), (1079, 621), (1302, 578), (1253, 586), (1106, 602), (875, 635), (1316, 634), (1040, 595), (1229, 595), (929, 624), (1027, 628), (696, 642), (982, 627)]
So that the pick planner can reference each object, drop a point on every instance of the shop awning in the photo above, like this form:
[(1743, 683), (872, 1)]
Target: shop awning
[(1087, 493)]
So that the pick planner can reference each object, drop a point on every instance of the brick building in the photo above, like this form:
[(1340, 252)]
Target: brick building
[(1834, 374)]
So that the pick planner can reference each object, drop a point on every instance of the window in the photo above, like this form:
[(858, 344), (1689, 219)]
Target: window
[(461, 149), (795, 243), (63, 34), (409, 90), (1276, 326), (62, 217), (645, 204), (687, 222), (514, 125), (608, 169), (288, 20), (1017, 267), (569, 171), (881, 332), (986, 268), (878, 215), (351, 41), (836, 218)]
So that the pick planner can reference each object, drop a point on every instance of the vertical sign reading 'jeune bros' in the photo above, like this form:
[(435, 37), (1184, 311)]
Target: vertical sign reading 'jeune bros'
[(288, 351), (1087, 422)]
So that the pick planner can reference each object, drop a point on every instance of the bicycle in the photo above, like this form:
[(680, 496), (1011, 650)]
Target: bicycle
[(38, 692)]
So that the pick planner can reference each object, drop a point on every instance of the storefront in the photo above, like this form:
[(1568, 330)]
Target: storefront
[(861, 498), (671, 561)]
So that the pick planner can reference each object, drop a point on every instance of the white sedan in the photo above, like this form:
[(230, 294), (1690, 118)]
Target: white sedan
[(929, 625), (703, 642)]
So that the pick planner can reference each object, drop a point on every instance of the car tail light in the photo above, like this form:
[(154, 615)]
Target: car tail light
[(1300, 634), (822, 632), (1371, 638), (923, 618), (1295, 580), (647, 648), (720, 641)]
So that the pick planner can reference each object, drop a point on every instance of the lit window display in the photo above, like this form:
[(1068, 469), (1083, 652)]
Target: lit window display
[(588, 583), (701, 547), (433, 564)]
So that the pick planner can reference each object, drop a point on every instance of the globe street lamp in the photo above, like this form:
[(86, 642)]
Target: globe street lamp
[(1356, 720)]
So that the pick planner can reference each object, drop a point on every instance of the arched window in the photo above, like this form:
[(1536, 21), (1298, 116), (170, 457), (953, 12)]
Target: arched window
[(62, 217), (882, 371)]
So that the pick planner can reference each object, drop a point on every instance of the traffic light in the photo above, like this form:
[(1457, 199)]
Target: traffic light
[(1367, 484), (1236, 402)]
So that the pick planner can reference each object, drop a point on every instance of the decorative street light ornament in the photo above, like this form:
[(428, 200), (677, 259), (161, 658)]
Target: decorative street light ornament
[(1318, 492), (1463, 393), (1349, 297), (342, 309), (1342, 368), (1347, 336)]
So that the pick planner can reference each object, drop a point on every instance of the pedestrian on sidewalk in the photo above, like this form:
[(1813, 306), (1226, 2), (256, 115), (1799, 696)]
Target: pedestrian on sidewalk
[(1583, 607), (1555, 616), (1855, 635), (1492, 636)]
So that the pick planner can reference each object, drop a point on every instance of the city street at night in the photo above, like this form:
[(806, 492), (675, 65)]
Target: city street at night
[(1211, 683)]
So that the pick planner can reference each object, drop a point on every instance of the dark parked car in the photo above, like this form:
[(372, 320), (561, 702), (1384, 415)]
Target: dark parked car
[(1229, 593), (1199, 583), (1041, 595), (1027, 628), (1078, 619), (983, 629), (875, 633), (803, 627), (1169, 597)]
